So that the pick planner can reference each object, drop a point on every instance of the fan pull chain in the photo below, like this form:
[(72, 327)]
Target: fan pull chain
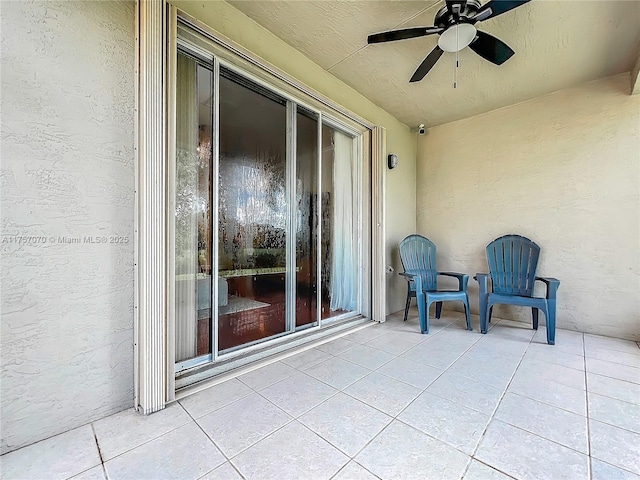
[(455, 68)]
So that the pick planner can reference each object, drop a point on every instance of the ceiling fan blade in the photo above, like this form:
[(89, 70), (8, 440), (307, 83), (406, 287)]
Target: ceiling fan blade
[(497, 7), (427, 64), (491, 49), (403, 34)]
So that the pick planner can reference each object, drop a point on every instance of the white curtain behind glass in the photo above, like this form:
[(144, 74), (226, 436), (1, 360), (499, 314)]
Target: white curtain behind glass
[(186, 208), (345, 208)]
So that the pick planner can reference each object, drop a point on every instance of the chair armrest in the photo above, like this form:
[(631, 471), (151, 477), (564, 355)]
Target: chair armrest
[(463, 279), (410, 277), (552, 286), (483, 282)]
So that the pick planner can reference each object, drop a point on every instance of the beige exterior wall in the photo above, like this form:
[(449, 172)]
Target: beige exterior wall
[(401, 182), (67, 172), (563, 170)]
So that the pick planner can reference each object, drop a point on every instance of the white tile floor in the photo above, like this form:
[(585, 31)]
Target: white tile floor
[(384, 402)]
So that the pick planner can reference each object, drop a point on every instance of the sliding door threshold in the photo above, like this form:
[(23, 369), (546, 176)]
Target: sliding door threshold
[(197, 379)]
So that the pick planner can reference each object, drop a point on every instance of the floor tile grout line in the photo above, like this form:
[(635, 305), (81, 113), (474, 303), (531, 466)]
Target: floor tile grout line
[(62, 433), (613, 378), (227, 459), (504, 392), (347, 464), (357, 399), (293, 420), (616, 426), (395, 418), (549, 404), (372, 439), (609, 349), (560, 364), (614, 363), (346, 386), (467, 466), (350, 361), (95, 438), (269, 384), (151, 439), (434, 380), (434, 438), (532, 433), (338, 390), (543, 438), (351, 457), (492, 467), (619, 467), (296, 417), (101, 464), (586, 389), (637, 432), (196, 418)]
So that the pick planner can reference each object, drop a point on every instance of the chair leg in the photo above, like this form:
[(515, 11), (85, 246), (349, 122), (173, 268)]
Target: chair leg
[(438, 309), (406, 307), (423, 312), (550, 316), (490, 312), (424, 327), (535, 312), (467, 314), (482, 305), (484, 317)]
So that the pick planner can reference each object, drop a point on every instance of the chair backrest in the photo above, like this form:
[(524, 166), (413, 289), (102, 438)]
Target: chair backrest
[(418, 255), (512, 262)]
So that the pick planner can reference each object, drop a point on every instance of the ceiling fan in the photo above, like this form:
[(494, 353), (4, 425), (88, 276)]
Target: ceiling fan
[(455, 23)]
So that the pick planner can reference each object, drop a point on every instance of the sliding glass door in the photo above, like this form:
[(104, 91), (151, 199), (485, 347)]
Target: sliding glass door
[(252, 212), (268, 214)]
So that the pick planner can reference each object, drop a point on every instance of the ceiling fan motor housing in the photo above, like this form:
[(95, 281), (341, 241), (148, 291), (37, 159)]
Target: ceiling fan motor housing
[(444, 18)]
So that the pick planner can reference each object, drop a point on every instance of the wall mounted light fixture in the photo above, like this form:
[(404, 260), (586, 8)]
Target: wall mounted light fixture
[(392, 161)]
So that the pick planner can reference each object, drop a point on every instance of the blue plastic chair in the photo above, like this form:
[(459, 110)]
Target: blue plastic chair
[(512, 262), (418, 255)]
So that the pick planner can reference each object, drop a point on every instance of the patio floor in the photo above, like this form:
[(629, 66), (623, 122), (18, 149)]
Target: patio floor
[(384, 402)]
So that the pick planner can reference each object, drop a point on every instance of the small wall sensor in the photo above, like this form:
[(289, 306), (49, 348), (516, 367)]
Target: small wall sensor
[(421, 129), (392, 161)]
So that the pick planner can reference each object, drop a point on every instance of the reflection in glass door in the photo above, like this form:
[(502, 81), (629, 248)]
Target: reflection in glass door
[(253, 212), (340, 224), (307, 210)]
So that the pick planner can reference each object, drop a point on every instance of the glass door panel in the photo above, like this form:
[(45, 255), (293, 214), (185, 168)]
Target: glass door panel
[(193, 239), (252, 213), (306, 218), (285, 255), (339, 224)]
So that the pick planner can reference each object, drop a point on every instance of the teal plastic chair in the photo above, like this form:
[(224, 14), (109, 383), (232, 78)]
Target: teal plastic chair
[(512, 265), (418, 255)]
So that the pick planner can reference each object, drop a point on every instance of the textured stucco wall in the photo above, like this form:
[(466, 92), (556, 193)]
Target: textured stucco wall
[(401, 182), (563, 170), (67, 171)]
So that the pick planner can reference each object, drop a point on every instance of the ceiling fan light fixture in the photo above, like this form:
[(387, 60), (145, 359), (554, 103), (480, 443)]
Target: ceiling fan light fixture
[(457, 37)]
